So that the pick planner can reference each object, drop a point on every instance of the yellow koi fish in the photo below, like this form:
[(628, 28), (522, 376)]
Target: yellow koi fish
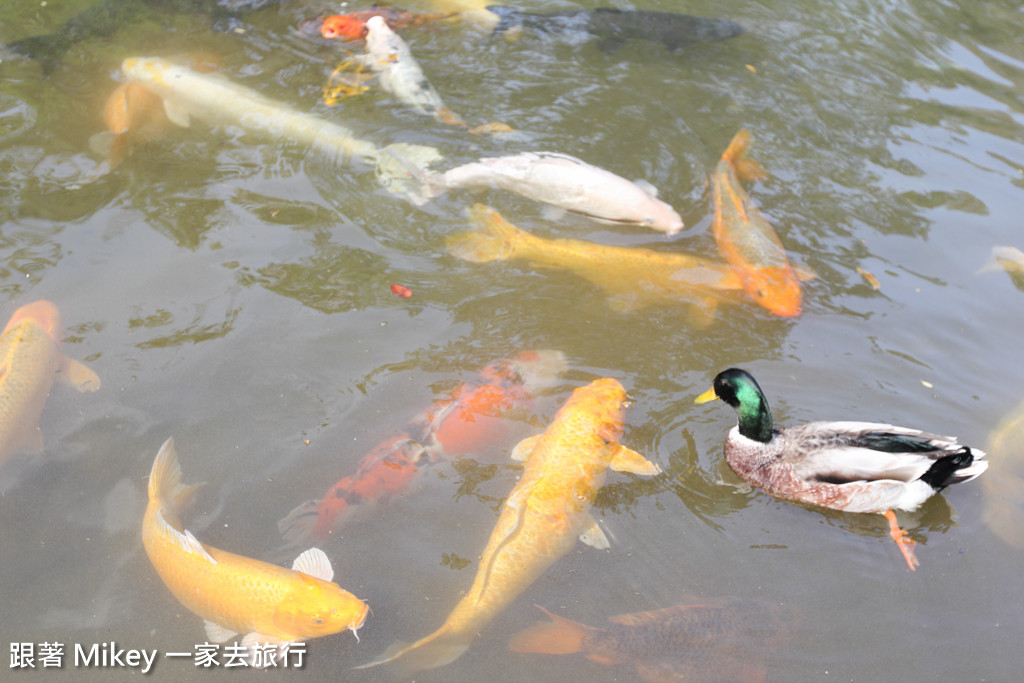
[(30, 360), (236, 594), (541, 519), (746, 239), (1004, 488), (633, 278)]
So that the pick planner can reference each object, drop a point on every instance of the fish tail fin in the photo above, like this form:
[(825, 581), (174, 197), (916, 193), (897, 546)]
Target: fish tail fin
[(508, 17), (736, 155), (165, 480), (301, 525), (438, 649), (494, 242), (560, 636), (400, 169)]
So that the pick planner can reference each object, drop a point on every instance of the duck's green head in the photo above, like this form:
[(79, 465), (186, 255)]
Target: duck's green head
[(740, 390)]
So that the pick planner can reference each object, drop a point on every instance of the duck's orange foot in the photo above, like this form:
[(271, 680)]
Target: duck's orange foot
[(903, 540)]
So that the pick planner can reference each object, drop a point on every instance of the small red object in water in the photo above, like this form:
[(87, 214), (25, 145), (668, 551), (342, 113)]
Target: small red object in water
[(401, 290)]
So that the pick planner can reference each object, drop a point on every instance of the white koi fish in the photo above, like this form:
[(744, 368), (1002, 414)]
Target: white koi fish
[(562, 181), (213, 98), (400, 74)]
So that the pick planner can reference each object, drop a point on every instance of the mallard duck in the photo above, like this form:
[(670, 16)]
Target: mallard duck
[(849, 466)]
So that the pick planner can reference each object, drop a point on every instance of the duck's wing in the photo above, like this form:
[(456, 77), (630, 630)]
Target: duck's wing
[(847, 452)]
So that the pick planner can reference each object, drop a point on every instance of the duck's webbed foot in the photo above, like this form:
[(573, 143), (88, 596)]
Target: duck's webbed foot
[(903, 540)]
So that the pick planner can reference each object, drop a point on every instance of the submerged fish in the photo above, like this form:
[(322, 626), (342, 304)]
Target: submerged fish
[(744, 237), (541, 519), (474, 417), (632, 277), (236, 594), (187, 93), (352, 25), (400, 73), (30, 360), (1004, 487), (615, 26), (563, 181), (714, 642), (107, 16)]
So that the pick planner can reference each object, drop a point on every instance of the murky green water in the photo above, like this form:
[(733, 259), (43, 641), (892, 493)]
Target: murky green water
[(234, 293)]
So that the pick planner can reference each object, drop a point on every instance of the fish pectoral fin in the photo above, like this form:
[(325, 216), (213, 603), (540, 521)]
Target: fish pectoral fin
[(627, 460), (524, 448), (315, 563), (189, 542), (215, 633), (702, 315), (177, 113), (78, 375), (594, 536)]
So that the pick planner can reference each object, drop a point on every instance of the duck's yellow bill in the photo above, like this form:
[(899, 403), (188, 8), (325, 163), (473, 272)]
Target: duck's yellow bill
[(708, 395)]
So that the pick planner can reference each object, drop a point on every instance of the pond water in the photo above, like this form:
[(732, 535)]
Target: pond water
[(233, 291)]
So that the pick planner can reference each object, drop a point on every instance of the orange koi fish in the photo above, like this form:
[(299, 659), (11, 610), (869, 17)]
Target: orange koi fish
[(30, 360), (632, 277), (744, 237), (718, 641), (236, 594), (473, 418), (541, 519), (352, 25)]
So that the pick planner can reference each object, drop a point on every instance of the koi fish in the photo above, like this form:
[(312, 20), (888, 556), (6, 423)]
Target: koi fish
[(107, 16), (615, 26), (400, 74), (744, 237), (236, 594), (187, 93), (30, 360), (563, 181), (632, 277), (717, 641), (473, 418), (352, 25), (1004, 488), (540, 520)]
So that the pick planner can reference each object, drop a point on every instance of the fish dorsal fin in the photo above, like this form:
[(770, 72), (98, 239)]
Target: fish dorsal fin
[(524, 448), (216, 633), (627, 460), (594, 536), (315, 563), (77, 375), (189, 542), (177, 113)]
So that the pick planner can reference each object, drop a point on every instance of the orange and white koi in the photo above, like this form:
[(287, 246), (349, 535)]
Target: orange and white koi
[(236, 594), (723, 640), (474, 417), (30, 361), (632, 277), (352, 25), (400, 74), (541, 519), (745, 238)]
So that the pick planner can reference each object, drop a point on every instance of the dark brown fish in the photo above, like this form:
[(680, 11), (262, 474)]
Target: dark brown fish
[(721, 640)]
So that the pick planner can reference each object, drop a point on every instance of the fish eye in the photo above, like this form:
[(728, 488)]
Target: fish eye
[(318, 620)]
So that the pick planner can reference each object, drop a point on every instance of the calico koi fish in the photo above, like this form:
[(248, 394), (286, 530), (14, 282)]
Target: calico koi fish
[(474, 417), (632, 277), (236, 594), (352, 25), (541, 519), (562, 181), (744, 237), (722, 641), (30, 361), (400, 73), (187, 93)]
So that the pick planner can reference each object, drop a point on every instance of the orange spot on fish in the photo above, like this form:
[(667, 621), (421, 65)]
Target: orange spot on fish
[(342, 26)]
